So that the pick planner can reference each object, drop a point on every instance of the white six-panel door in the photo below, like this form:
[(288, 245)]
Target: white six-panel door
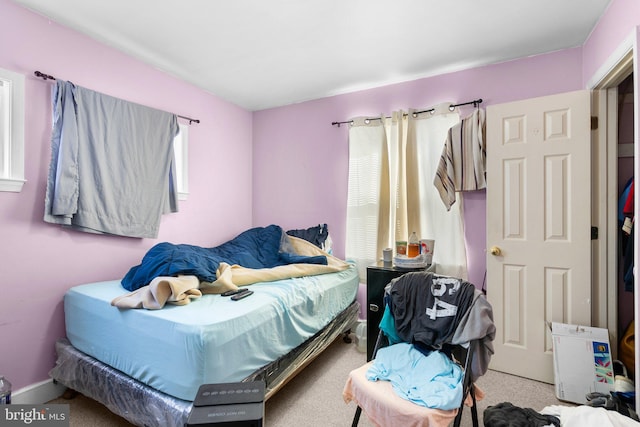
[(538, 226)]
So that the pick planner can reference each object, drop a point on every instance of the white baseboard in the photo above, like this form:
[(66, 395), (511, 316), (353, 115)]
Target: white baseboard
[(37, 394)]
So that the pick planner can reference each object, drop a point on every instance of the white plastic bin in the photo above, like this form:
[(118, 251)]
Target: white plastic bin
[(361, 336)]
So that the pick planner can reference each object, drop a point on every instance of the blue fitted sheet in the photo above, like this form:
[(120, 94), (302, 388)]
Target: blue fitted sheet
[(211, 340)]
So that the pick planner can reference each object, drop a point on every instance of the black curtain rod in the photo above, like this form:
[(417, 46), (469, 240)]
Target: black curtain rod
[(44, 76), (475, 103)]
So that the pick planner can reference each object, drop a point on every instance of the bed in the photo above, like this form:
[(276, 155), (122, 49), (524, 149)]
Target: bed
[(146, 365)]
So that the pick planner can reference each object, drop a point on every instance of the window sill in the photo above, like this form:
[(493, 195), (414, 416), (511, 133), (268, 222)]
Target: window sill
[(11, 184)]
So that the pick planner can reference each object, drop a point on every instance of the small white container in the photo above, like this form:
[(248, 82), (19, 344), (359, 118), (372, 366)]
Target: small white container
[(5, 390), (426, 249), (387, 255), (361, 336)]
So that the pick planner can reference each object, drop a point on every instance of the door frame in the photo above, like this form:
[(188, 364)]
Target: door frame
[(603, 85)]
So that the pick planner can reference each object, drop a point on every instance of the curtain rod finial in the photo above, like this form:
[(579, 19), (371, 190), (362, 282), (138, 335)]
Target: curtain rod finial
[(43, 76)]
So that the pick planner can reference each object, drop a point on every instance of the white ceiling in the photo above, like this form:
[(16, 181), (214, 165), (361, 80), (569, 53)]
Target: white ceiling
[(260, 54)]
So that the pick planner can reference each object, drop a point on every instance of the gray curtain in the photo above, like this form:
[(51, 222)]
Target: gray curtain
[(112, 164)]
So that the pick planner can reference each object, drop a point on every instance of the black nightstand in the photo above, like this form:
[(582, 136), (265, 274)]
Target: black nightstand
[(378, 276)]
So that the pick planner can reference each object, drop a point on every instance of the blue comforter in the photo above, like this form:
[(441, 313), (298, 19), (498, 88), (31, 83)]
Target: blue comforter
[(260, 247)]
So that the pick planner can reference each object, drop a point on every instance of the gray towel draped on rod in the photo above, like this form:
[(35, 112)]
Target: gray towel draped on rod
[(50, 77)]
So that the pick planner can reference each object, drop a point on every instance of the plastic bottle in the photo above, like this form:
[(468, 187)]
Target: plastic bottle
[(413, 248), (361, 336), (5, 391)]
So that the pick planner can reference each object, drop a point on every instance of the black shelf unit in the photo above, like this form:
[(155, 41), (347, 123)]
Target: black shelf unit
[(378, 276)]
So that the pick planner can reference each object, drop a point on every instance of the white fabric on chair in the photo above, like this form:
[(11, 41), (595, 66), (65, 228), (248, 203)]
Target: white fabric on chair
[(396, 411)]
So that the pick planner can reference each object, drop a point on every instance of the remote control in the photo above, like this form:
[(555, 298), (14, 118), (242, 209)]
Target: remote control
[(241, 295), (234, 292)]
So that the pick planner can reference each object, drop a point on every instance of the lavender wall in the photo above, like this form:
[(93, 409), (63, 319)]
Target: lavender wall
[(38, 261), (616, 26), (310, 185), (298, 178), (300, 173)]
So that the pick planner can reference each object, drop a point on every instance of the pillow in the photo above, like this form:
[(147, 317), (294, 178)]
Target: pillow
[(317, 235)]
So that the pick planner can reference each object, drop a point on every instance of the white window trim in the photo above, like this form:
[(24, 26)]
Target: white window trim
[(181, 147), (11, 131)]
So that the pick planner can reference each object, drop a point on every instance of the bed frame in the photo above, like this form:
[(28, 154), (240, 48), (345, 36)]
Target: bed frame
[(144, 406)]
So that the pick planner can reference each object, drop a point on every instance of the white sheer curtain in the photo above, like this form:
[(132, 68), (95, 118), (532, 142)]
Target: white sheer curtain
[(392, 162), (368, 202)]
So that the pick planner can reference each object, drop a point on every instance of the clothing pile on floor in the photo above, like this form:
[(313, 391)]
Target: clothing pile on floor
[(507, 415), (602, 410)]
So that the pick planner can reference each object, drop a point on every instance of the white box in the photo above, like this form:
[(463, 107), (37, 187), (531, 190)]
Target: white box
[(581, 361)]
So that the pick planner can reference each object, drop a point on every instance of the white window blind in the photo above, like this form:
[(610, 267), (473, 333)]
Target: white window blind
[(181, 150), (11, 131)]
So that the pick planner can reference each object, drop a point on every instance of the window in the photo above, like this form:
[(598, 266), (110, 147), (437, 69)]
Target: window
[(392, 162), (180, 148), (11, 131)]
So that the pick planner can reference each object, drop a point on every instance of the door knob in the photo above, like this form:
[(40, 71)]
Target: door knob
[(496, 251)]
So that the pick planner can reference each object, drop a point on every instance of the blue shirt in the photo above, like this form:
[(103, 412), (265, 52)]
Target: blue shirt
[(432, 381)]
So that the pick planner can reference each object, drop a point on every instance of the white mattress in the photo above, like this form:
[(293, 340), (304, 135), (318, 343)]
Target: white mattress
[(211, 340)]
